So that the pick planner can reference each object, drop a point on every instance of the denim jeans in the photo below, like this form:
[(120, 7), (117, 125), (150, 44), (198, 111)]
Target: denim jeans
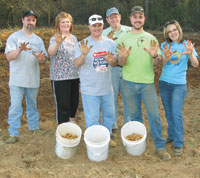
[(133, 93), (92, 106), (173, 96), (15, 110), (117, 85)]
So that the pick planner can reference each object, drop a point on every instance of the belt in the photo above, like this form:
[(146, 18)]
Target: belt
[(118, 66)]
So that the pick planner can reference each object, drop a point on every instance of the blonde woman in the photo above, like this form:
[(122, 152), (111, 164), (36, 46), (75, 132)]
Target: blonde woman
[(63, 73), (172, 83)]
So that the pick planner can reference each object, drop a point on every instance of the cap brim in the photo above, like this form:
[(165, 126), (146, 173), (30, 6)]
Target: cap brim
[(92, 23), (136, 12)]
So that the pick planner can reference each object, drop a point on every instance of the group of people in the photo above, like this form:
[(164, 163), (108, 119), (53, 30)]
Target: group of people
[(117, 59)]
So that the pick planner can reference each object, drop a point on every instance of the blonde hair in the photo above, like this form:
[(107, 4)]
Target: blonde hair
[(61, 16), (166, 31)]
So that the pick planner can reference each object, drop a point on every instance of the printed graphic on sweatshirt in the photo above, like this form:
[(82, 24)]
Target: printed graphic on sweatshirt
[(99, 62)]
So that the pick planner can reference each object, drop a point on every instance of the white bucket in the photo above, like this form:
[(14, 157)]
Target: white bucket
[(66, 148), (97, 138), (134, 147)]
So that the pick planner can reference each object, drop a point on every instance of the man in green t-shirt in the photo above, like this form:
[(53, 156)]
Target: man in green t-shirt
[(138, 76)]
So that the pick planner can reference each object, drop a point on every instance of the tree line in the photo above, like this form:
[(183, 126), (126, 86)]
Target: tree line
[(157, 12)]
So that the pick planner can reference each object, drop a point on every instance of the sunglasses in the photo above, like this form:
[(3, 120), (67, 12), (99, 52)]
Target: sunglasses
[(169, 23), (94, 19)]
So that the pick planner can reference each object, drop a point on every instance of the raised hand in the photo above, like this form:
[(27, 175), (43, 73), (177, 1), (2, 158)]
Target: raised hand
[(59, 38), (24, 46), (152, 51), (109, 57), (40, 56), (110, 35), (84, 47), (189, 47), (122, 51), (167, 51)]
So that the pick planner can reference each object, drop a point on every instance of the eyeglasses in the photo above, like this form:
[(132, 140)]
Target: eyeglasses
[(174, 30), (170, 22), (94, 19)]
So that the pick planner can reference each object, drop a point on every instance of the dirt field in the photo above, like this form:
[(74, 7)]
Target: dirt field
[(34, 156)]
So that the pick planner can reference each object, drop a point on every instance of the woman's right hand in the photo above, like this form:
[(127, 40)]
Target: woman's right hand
[(59, 38), (167, 51)]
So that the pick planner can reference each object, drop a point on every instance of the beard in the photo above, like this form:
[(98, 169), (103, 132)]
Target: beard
[(30, 27), (137, 28)]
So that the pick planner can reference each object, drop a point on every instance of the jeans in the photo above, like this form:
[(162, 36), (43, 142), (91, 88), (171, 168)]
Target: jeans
[(173, 96), (133, 93), (15, 110), (117, 85), (92, 106)]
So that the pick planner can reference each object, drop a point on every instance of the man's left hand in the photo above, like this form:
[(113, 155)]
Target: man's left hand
[(153, 50), (41, 57)]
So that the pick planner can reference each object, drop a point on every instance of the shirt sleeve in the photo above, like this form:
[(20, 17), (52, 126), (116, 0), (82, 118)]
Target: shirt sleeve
[(52, 40), (11, 44)]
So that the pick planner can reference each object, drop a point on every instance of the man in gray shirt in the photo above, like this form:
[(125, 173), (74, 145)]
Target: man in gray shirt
[(24, 51)]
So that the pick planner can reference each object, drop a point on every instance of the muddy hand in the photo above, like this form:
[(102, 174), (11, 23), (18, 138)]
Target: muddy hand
[(24, 46), (84, 47), (122, 51), (167, 51), (109, 57), (153, 50), (59, 38), (41, 57), (110, 35), (189, 47)]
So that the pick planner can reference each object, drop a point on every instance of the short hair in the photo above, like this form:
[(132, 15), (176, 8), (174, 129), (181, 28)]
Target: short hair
[(61, 16), (166, 31)]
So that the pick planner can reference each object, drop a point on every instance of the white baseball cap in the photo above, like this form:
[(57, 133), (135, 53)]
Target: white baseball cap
[(93, 19)]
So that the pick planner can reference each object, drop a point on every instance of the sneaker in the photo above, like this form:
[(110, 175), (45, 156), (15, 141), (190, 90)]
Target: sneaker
[(163, 155), (169, 140), (112, 143), (38, 132), (11, 140), (178, 151)]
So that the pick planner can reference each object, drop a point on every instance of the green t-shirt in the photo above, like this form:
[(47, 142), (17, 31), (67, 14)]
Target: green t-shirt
[(139, 66)]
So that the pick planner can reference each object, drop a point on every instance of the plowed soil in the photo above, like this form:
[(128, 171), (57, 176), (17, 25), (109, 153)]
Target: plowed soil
[(34, 155)]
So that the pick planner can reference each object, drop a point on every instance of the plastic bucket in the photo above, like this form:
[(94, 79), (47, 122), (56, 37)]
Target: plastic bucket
[(66, 148), (97, 138), (134, 147)]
